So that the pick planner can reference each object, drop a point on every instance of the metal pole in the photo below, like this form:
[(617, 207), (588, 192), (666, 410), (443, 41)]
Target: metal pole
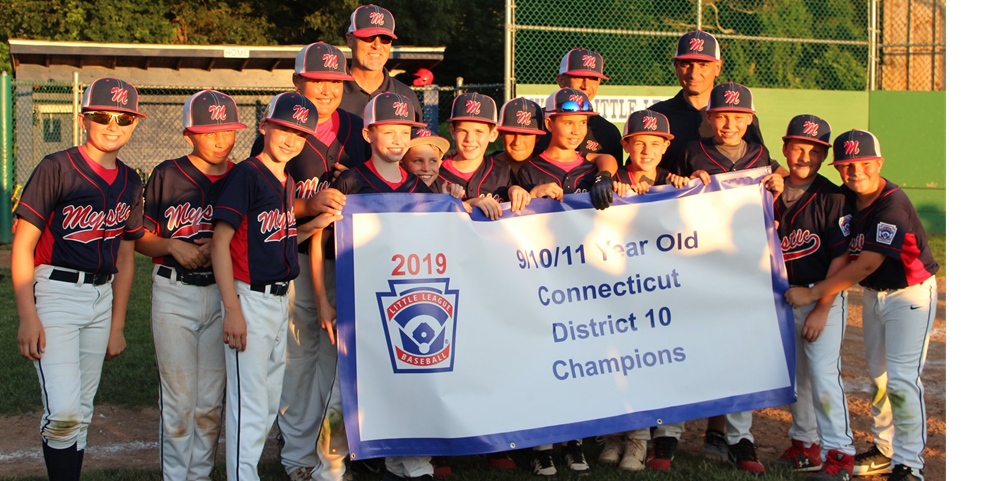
[(932, 58), (7, 167), (872, 46), (908, 49), (698, 23), (509, 50), (76, 109)]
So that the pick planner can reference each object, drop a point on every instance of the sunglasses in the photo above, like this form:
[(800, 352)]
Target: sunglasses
[(104, 118), (574, 106), (384, 39)]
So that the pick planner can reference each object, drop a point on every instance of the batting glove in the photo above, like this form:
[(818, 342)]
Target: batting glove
[(601, 191)]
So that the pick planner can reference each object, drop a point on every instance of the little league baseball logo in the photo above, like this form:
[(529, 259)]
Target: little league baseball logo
[(331, 61), (119, 95), (886, 233), (732, 97), (589, 61), (376, 18), (524, 117), (473, 107), (401, 109), (697, 44), (300, 113), (419, 322), (845, 225), (649, 123), (810, 128), (217, 112), (851, 147)]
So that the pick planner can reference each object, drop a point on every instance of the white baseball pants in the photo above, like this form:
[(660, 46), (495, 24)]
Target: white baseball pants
[(409, 466)]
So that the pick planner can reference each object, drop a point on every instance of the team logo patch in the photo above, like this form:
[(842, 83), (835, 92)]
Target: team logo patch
[(524, 117), (331, 60), (732, 97), (577, 98), (886, 233), (473, 107), (217, 112), (810, 128), (593, 146), (376, 18), (401, 109), (589, 61), (845, 225), (799, 243), (649, 123), (119, 95), (300, 113), (423, 133), (851, 147), (419, 321), (697, 44)]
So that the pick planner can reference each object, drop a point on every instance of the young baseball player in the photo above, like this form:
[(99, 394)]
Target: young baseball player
[(72, 264), (337, 144), (254, 255), (518, 126), (892, 261), (814, 221), (387, 121), (186, 304), (486, 182)]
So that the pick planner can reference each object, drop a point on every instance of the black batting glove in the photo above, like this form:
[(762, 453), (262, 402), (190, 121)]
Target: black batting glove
[(601, 191)]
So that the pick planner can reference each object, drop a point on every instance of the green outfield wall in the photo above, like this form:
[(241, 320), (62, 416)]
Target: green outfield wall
[(911, 127)]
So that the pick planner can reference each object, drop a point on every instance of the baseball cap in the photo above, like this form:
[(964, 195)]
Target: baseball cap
[(291, 109), (370, 20), (698, 45), (424, 135), (321, 61), (111, 95), (521, 115), (647, 122), (390, 108), (568, 101), (210, 111), (474, 107), (581, 62), (730, 97), (855, 146), (809, 127)]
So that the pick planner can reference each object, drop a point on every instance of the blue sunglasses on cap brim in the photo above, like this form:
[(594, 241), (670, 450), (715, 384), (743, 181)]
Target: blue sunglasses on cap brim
[(574, 106)]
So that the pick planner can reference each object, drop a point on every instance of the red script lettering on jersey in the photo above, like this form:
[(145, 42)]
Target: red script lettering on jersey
[(799, 243), (91, 222)]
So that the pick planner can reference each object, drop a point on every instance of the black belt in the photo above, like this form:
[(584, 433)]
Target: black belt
[(73, 277), (277, 289), (875, 289), (192, 278)]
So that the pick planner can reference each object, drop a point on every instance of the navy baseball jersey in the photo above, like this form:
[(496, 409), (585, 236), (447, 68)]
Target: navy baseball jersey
[(703, 155), (625, 176), (261, 208), (542, 170), (602, 137), (891, 226), (82, 218), (364, 179), (814, 230), (178, 205), (493, 178)]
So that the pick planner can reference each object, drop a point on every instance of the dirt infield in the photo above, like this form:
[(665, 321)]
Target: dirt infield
[(115, 431)]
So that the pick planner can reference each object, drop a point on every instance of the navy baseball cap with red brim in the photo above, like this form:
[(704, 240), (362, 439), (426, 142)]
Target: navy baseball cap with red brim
[(291, 109), (321, 61), (647, 122), (698, 45), (370, 20), (522, 116), (390, 108), (111, 95), (810, 128), (856, 146), (210, 111), (582, 62), (474, 107)]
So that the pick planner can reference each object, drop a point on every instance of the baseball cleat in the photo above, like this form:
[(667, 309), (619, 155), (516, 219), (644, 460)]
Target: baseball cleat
[(663, 452), (614, 446), (716, 447), (573, 457), (799, 458), (542, 463), (300, 474), (635, 455), (838, 467), (744, 455), (905, 473), (871, 462)]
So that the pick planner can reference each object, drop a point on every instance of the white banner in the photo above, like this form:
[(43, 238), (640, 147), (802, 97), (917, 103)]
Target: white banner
[(461, 335)]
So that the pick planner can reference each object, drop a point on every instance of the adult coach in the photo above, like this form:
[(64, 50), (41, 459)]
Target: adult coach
[(583, 69), (697, 63), (370, 36)]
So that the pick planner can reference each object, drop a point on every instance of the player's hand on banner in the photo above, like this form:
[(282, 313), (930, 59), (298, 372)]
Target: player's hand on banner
[(677, 181), (550, 190), (490, 207), (519, 198), (326, 201), (774, 183), (641, 187), (702, 176), (115, 344), (815, 322), (188, 255), (234, 328), (31, 339), (601, 190), (620, 188), (800, 296)]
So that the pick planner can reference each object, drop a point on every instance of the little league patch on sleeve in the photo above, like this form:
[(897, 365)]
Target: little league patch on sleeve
[(886, 233), (845, 225)]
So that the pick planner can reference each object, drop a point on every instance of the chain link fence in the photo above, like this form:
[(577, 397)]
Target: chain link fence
[(797, 44)]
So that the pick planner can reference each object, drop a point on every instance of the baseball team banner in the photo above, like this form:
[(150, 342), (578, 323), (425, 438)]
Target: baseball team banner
[(461, 335)]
